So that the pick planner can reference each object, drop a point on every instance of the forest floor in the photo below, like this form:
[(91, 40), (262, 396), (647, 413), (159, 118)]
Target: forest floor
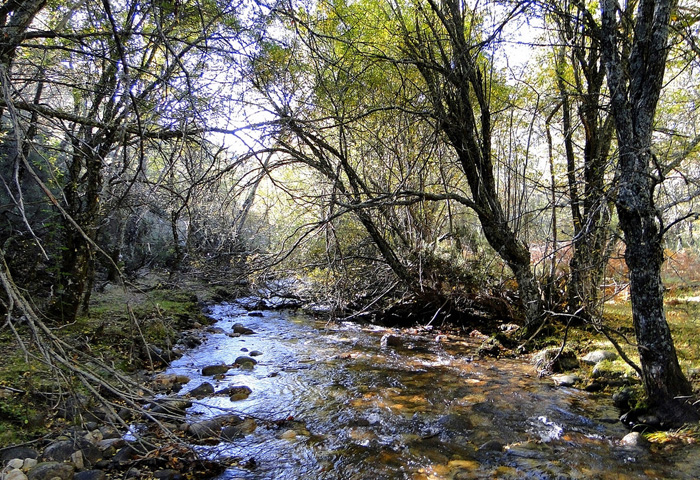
[(152, 310)]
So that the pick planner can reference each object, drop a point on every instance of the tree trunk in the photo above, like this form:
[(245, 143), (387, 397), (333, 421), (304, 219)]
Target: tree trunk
[(635, 78), (458, 88)]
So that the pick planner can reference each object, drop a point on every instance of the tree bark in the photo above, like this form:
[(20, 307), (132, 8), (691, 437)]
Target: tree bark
[(635, 79)]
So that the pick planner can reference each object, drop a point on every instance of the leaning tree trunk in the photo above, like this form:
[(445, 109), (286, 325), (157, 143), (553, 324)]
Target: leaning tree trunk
[(635, 79), (458, 87)]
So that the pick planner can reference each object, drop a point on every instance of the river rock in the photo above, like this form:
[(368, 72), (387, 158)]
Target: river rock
[(190, 340), (564, 380), (205, 429), (29, 463), (15, 474), (125, 455), (623, 398), (255, 353), (243, 330), (243, 359), (158, 355), (489, 348), (634, 439), (111, 444), (59, 451), (598, 356), (390, 340), (492, 446), (211, 370), (239, 392), (167, 474), (109, 432), (17, 452), (256, 313), (202, 390), (132, 473), (550, 360), (239, 429), (169, 381), (90, 475), (77, 460), (14, 463), (171, 407), (51, 471)]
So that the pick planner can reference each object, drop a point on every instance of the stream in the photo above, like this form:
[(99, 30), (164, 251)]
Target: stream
[(331, 402)]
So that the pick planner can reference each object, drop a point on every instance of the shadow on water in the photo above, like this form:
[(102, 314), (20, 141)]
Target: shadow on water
[(331, 403)]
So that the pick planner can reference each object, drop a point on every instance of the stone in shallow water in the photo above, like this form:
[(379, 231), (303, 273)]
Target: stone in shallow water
[(243, 330), (634, 439), (202, 390), (243, 359), (211, 370), (205, 429), (389, 340), (492, 446), (238, 428), (239, 392)]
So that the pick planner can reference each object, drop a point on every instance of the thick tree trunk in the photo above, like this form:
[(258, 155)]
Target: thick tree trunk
[(663, 379), (82, 194), (635, 78)]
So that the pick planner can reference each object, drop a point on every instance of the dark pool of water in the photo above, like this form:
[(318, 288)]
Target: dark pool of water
[(331, 403)]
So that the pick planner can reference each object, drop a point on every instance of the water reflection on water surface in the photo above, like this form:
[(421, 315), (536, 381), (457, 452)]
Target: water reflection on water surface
[(331, 403)]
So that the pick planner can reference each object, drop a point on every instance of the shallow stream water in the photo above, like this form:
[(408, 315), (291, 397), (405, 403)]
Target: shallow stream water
[(332, 403)]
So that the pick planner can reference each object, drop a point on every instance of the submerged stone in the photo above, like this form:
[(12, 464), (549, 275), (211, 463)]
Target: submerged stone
[(239, 392)]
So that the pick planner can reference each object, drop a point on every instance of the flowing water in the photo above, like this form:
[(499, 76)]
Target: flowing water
[(331, 403)]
